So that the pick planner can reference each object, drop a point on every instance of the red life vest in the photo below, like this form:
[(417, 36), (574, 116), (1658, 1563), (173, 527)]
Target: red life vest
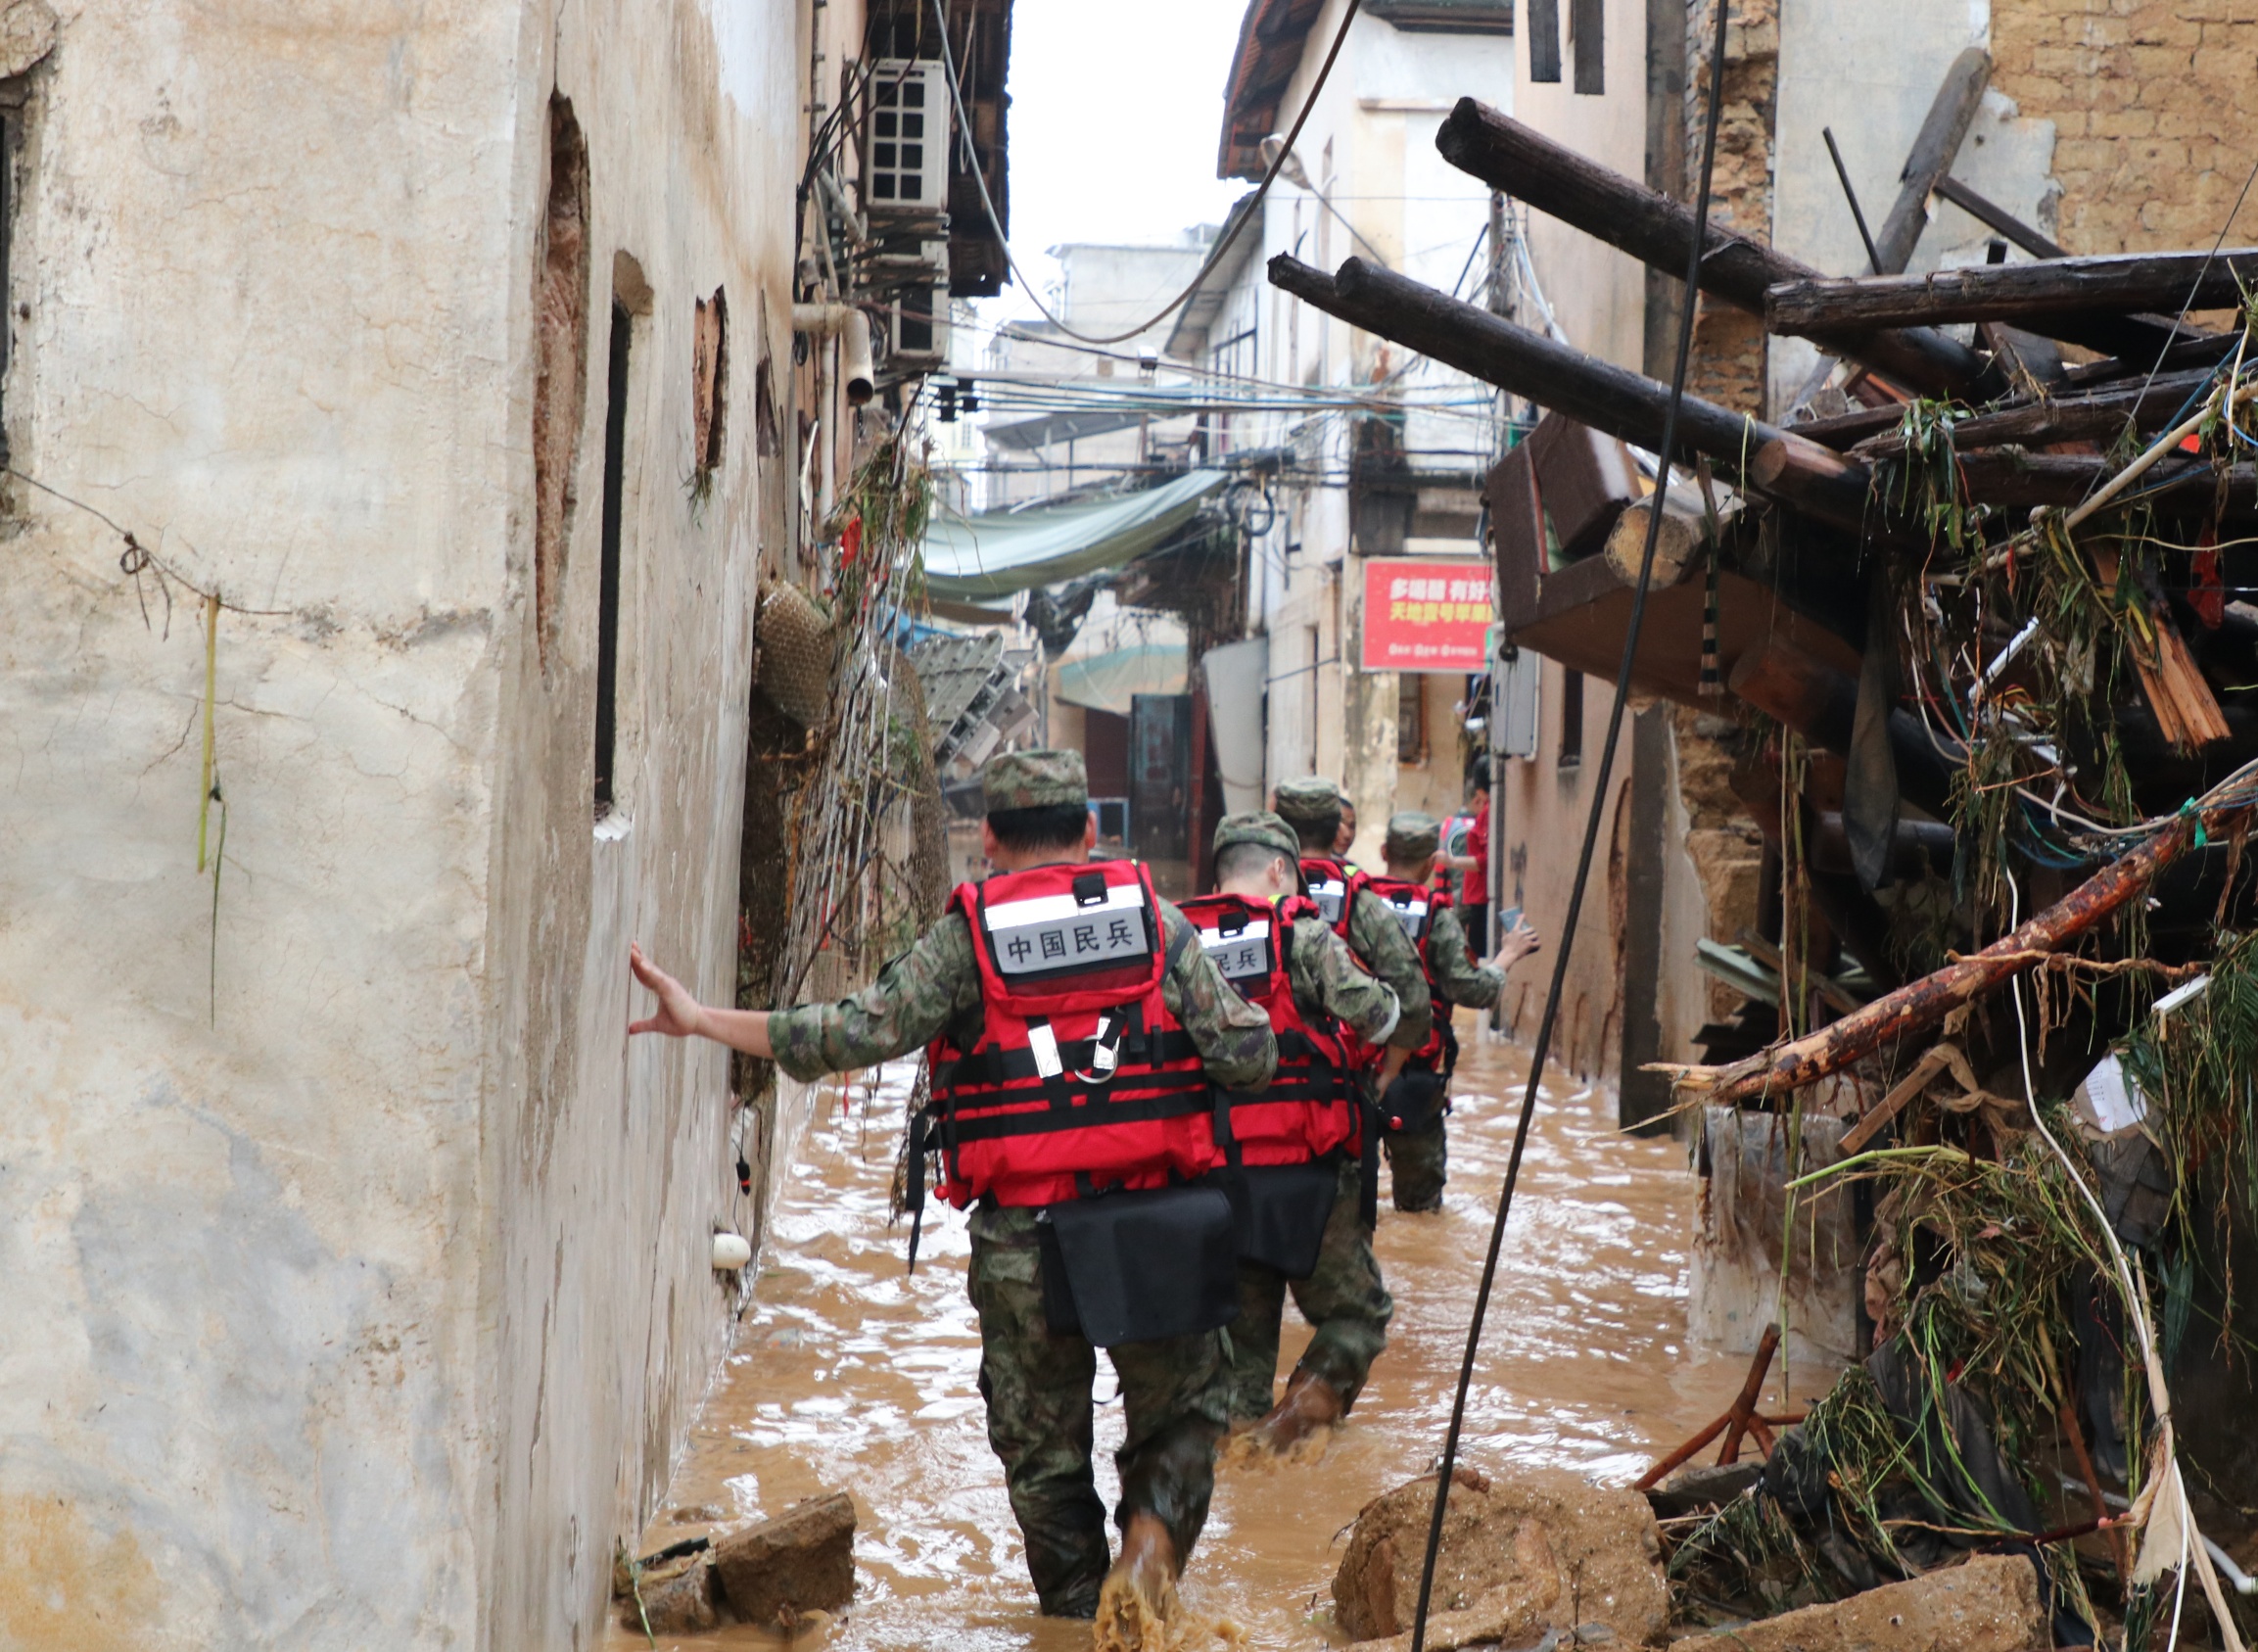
[(1415, 906), (1079, 1078), (1333, 886), (1309, 1110)]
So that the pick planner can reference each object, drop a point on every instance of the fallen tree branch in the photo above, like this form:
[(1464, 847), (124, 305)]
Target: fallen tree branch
[(1920, 1004)]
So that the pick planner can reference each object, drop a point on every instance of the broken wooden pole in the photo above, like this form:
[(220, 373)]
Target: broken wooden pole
[(1935, 148), (1659, 232), (2096, 416), (1738, 1419), (1819, 703), (1612, 400), (1995, 218), (2028, 295), (2012, 479), (1920, 1004), (1684, 1455)]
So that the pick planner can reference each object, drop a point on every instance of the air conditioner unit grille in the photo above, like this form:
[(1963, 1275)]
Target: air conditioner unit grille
[(909, 136)]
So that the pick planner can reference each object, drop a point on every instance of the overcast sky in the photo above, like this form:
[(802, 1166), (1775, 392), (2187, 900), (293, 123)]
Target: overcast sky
[(1115, 115)]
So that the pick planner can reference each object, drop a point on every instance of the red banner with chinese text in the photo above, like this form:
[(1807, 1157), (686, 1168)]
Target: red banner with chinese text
[(1423, 614)]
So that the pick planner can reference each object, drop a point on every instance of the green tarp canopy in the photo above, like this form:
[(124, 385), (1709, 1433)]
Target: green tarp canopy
[(1108, 682), (971, 558)]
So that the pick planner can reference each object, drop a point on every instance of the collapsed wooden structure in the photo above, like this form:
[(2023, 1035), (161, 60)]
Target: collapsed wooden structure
[(1978, 609), (1953, 467)]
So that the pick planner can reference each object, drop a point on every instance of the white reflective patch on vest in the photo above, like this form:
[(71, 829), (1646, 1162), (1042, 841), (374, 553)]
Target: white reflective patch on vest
[(1043, 1043), (1047, 932), (1105, 1046), (1411, 912), (1241, 956), (1329, 894)]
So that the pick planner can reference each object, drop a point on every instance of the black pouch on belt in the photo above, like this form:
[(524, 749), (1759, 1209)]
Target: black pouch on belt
[(1415, 1102), (1282, 1212), (1134, 1267)]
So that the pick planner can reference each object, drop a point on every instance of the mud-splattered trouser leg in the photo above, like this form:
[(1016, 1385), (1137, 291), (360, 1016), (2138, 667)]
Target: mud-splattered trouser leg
[(1418, 1164), (1175, 1394), (1343, 1297), (1255, 1339)]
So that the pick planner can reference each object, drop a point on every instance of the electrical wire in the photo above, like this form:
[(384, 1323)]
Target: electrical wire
[(1599, 807), (1231, 231)]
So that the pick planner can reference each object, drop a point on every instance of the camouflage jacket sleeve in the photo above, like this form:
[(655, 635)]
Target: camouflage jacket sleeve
[(1376, 935), (1232, 1035), (1328, 980), (1455, 972), (913, 999)]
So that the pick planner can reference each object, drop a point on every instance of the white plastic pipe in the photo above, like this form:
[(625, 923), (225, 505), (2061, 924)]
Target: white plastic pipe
[(852, 328)]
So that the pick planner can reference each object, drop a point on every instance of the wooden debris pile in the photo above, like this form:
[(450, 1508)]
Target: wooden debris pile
[(1985, 610)]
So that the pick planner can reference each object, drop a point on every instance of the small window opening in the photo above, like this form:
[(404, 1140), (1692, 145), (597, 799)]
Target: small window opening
[(608, 581), (1570, 719), (1587, 35), (709, 380), (561, 353), (1544, 41)]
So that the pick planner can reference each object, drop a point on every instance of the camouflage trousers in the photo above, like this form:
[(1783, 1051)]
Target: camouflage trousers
[(1037, 1387), (1343, 1297), (1418, 1165)]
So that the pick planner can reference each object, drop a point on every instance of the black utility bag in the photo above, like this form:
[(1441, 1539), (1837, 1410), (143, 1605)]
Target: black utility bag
[(1414, 1104), (1282, 1212), (1135, 1267)]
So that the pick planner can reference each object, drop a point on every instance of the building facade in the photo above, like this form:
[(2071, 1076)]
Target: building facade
[(405, 413)]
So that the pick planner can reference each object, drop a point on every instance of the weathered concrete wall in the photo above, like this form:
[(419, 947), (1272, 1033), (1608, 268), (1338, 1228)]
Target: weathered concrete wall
[(1870, 73), (359, 1269), (1541, 809), (1597, 294)]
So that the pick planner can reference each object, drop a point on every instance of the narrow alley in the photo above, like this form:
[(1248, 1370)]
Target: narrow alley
[(851, 1374), (1498, 755)]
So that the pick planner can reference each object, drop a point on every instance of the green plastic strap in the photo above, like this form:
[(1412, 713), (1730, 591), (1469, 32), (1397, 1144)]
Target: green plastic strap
[(2189, 809)]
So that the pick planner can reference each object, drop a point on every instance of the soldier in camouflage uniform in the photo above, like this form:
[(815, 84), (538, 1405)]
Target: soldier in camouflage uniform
[(1257, 858), (1037, 1385), (1419, 1159), (1312, 808)]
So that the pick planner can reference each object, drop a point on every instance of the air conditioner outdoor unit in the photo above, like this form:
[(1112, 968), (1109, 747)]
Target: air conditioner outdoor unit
[(919, 327), (906, 142)]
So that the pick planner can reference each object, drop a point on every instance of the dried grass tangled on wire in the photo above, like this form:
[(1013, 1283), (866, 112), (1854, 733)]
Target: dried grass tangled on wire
[(858, 768)]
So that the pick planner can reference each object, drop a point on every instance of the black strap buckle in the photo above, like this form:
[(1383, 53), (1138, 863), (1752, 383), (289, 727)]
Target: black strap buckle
[(920, 1131)]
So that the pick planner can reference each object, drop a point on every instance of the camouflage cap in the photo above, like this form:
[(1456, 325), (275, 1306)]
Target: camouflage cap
[(1311, 799), (1411, 834), (1034, 779), (1258, 826)]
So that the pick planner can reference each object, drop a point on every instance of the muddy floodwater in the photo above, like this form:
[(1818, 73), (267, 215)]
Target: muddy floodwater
[(851, 1375)]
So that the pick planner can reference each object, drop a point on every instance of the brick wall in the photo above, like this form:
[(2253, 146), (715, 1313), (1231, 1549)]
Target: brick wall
[(1728, 356), (2156, 111)]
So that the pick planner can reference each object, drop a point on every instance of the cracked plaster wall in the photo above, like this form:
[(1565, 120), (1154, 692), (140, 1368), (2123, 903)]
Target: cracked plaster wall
[(355, 1270)]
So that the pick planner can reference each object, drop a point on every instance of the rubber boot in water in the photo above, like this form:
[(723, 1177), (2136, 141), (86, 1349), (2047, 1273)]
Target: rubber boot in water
[(1139, 1596), (1310, 1403)]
